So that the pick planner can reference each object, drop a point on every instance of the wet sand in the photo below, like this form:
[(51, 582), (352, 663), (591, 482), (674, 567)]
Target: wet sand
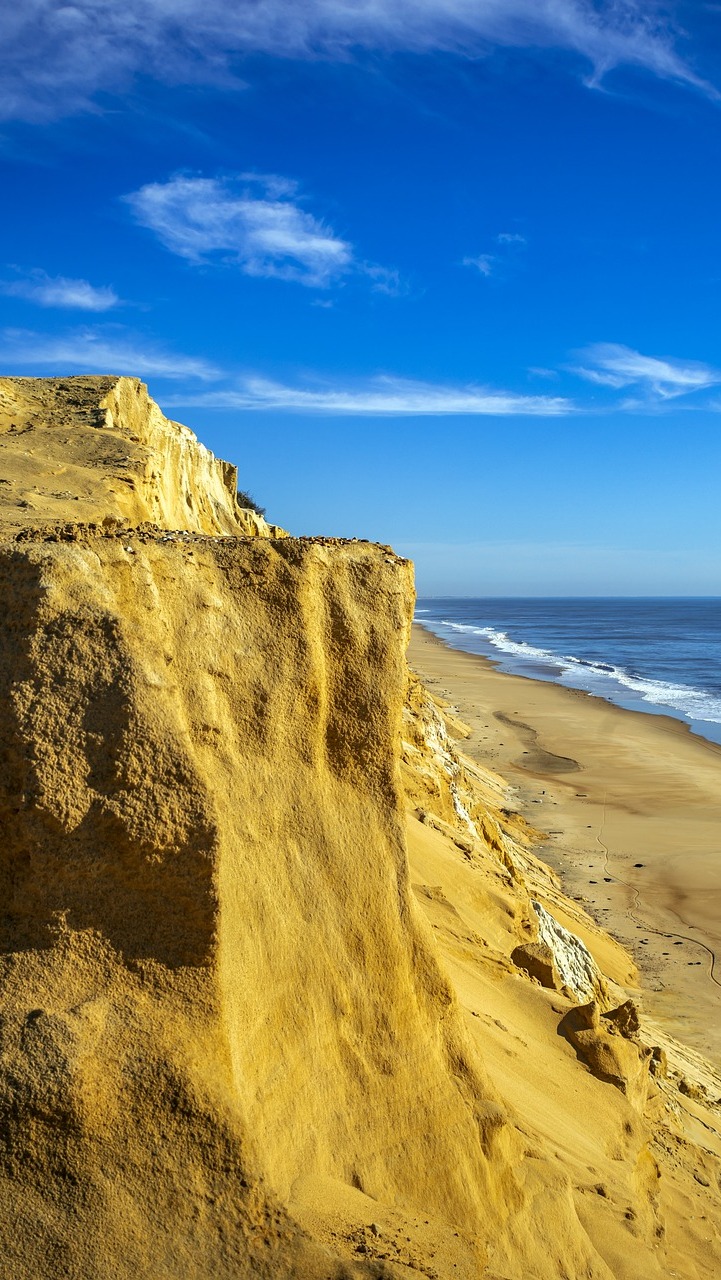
[(631, 807)]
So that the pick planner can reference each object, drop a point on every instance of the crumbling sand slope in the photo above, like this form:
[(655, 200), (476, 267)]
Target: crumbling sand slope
[(86, 449), (241, 1035), (626, 1120)]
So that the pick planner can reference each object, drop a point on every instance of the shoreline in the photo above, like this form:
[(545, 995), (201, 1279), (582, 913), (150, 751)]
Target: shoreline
[(680, 721), (630, 802)]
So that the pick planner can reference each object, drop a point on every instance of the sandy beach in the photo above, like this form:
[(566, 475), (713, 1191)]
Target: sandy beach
[(631, 807)]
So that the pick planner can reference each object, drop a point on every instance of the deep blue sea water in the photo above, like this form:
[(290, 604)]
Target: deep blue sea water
[(661, 655)]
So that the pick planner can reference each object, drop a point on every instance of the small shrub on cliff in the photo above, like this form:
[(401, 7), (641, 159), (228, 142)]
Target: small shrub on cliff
[(245, 500)]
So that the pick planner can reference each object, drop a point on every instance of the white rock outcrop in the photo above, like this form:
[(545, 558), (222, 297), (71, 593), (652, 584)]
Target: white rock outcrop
[(576, 966)]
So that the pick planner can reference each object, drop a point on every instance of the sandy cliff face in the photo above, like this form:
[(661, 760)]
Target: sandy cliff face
[(85, 449), (214, 978), (274, 999)]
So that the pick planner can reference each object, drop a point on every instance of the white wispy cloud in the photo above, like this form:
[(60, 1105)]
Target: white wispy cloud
[(382, 396), (98, 351), (255, 223), (483, 262), (510, 244), (383, 279), (612, 365), (60, 291), (57, 57)]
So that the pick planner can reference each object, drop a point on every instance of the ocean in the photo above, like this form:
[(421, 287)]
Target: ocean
[(662, 656)]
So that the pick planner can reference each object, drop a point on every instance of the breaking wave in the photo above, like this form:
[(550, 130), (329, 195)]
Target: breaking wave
[(600, 677)]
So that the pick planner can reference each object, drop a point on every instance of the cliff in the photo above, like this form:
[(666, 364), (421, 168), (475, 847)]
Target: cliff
[(210, 960), (268, 1006), (84, 450)]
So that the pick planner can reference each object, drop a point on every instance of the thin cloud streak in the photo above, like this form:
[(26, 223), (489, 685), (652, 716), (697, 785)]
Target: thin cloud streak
[(612, 365), (381, 396), (60, 291), (91, 350), (510, 246), (483, 263), (57, 58)]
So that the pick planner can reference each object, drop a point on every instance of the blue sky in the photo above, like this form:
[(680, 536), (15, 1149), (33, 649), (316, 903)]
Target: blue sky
[(441, 273)]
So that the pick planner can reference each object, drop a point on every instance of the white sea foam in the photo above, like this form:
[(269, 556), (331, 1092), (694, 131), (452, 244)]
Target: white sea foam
[(695, 704)]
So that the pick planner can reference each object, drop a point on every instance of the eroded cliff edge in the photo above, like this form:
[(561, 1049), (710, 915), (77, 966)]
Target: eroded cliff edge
[(232, 1042)]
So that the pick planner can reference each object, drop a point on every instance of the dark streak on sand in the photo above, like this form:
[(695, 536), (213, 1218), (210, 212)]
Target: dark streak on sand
[(536, 759)]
